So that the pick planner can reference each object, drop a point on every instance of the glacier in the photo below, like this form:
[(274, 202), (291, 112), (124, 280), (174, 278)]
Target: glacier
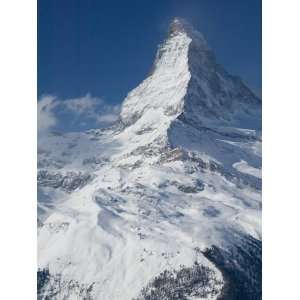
[(165, 203)]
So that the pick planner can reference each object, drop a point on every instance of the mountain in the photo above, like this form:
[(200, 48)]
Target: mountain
[(166, 203)]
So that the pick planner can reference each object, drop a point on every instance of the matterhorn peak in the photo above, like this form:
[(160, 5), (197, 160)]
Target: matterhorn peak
[(188, 83)]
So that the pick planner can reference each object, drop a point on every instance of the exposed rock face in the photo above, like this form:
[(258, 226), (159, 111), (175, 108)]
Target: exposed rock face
[(51, 286), (67, 182), (165, 204)]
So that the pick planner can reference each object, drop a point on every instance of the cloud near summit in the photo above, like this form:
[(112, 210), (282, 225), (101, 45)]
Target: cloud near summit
[(75, 114)]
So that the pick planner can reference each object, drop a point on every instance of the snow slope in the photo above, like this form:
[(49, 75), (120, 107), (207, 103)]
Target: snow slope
[(154, 206)]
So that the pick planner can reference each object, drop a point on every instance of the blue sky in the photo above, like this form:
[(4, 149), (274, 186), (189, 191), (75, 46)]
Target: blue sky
[(103, 49)]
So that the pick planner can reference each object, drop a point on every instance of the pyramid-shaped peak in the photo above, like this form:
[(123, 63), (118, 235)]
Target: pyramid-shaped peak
[(187, 81)]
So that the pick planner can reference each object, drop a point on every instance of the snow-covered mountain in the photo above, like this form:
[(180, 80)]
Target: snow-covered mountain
[(165, 204)]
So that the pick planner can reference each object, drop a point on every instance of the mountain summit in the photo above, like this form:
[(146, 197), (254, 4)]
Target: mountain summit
[(165, 204), (187, 82), (179, 25)]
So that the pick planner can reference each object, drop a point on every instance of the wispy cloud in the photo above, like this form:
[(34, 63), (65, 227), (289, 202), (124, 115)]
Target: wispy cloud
[(45, 115), (75, 114)]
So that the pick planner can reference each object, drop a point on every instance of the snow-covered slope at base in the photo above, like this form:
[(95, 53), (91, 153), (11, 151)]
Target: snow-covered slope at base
[(131, 223), (157, 203)]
